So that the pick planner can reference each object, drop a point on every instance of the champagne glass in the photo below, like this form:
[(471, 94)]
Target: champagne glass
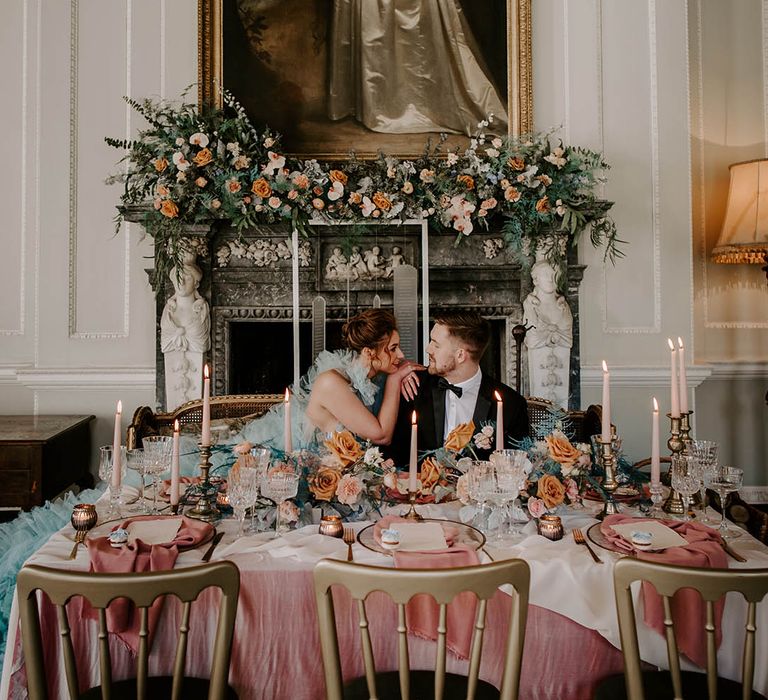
[(725, 480), (157, 460), (511, 473), (106, 461), (685, 479), (259, 462), (280, 484), (706, 452)]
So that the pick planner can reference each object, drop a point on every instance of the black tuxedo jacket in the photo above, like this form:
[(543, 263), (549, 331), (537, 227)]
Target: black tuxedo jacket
[(429, 405)]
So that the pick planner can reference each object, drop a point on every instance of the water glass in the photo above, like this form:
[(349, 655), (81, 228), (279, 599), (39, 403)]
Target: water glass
[(726, 480), (158, 450), (481, 486), (258, 460), (242, 491), (511, 467), (706, 452), (106, 462), (135, 462), (685, 473), (280, 485)]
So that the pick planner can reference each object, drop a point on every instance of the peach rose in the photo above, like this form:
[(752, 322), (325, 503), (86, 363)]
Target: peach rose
[(429, 474), (233, 185), (261, 188), (203, 157), (338, 176), (381, 201), (318, 203), (460, 436), (551, 491), (301, 181), (324, 483), (536, 507), (562, 451), (407, 187), (216, 204), (355, 198), (160, 164), (349, 489), (543, 204), (467, 180), (345, 447), (289, 512), (516, 163), (241, 162), (169, 209), (489, 203), (511, 194), (201, 182), (572, 490)]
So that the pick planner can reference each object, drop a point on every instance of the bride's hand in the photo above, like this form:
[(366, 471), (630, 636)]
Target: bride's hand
[(409, 380)]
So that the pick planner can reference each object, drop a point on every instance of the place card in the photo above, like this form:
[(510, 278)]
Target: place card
[(663, 536), (420, 537), (160, 531)]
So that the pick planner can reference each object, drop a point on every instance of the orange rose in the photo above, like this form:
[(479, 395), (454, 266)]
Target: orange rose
[(381, 201), (261, 188), (460, 436), (203, 157), (429, 474), (355, 198), (562, 451), (516, 163), (338, 176), (543, 204), (345, 447), (160, 164), (324, 483), (466, 180), (511, 194), (169, 209), (551, 491)]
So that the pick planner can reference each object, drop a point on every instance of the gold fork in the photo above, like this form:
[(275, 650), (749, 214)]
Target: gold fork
[(349, 538), (79, 538), (578, 537)]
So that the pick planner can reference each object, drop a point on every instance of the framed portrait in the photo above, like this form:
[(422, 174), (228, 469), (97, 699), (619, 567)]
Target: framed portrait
[(363, 76)]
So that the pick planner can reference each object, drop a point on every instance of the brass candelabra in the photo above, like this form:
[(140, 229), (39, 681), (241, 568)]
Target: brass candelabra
[(608, 462), (679, 439), (204, 509), (412, 514)]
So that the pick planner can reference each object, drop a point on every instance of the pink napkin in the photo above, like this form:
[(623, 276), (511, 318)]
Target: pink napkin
[(140, 557), (703, 550), (422, 612), (449, 531)]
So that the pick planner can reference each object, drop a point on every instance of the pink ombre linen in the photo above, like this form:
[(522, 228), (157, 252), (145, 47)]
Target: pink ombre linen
[(139, 557), (704, 549)]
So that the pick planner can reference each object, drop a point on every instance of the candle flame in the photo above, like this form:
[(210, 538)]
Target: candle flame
[(176, 426), (413, 418), (671, 344), (605, 366), (206, 372), (497, 395), (655, 405), (287, 395), (119, 406), (680, 342)]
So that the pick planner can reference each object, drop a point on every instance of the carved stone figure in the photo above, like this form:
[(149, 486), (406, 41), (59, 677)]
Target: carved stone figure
[(395, 260), (550, 339), (185, 326), (374, 260), (336, 267), (357, 266)]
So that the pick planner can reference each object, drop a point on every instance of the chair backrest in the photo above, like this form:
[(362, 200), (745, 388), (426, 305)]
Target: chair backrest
[(142, 589), (581, 424), (712, 584), (401, 585)]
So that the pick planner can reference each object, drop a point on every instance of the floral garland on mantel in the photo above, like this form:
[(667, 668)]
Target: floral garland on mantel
[(197, 165)]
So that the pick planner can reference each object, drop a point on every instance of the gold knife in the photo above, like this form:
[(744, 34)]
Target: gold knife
[(732, 552), (209, 552)]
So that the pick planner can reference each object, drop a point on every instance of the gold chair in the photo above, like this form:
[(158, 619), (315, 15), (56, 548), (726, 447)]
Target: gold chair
[(401, 585), (583, 424), (100, 589), (712, 584)]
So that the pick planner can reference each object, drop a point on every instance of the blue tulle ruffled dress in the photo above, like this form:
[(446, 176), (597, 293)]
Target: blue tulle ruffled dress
[(269, 429), (23, 536)]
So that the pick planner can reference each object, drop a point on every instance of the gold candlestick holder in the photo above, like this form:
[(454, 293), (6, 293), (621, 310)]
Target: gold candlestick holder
[(685, 430), (412, 514), (608, 462), (674, 503), (204, 509)]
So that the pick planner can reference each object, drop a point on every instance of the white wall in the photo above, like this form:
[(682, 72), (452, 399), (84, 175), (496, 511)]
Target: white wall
[(77, 317)]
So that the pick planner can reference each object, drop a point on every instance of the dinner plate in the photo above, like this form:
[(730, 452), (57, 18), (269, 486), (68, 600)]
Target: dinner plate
[(103, 530), (468, 535), (596, 535), (623, 494)]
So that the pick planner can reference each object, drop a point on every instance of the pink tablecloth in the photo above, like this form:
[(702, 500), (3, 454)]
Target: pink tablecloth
[(276, 653)]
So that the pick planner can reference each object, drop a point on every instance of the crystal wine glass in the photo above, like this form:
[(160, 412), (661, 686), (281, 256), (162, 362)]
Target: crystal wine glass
[(135, 462), (706, 452), (480, 482), (725, 480), (157, 460), (685, 479), (242, 487), (510, 479), (258, 461), (106, 461), (280, 484)]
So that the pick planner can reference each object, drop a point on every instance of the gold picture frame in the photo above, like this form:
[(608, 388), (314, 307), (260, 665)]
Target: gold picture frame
[(218, 19)]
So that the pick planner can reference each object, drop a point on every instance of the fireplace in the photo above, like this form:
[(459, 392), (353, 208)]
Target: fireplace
[(247, 283)]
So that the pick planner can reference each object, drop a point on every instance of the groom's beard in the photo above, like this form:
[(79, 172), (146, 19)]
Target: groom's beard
[(441, 370)]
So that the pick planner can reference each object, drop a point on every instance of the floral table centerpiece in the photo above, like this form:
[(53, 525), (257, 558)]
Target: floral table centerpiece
[(197, 165)]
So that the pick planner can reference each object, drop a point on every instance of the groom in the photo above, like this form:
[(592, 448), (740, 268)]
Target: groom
[(454, 390)]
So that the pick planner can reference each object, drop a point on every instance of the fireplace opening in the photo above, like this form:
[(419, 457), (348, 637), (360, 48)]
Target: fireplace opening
[(261, 353)]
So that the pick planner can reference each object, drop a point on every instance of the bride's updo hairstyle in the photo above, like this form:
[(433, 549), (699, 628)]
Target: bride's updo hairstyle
[(371, 328)]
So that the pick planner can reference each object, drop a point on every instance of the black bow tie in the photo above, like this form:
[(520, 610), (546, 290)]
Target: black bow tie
[(444, 385)]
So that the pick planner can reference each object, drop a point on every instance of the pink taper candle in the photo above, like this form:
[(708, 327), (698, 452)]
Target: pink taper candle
[(413, 464), (205, 438), (605, 432), (287, 427), (175, 465), (683, 378), (655, 460), (674, 409), (117, 443), (499, 421)]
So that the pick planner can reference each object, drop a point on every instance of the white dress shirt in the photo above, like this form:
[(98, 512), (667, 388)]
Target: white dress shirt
[(460, 410)]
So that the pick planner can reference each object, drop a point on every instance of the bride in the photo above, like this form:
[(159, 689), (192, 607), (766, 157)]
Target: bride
[(357, 389)]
